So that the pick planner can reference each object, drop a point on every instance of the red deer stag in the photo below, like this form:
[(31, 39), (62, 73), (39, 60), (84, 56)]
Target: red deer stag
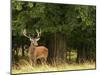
[(36, 52)]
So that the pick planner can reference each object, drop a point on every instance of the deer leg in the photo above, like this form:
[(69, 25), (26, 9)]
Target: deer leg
[(42, 61), (30, 61), (34, 59), (45, 60)]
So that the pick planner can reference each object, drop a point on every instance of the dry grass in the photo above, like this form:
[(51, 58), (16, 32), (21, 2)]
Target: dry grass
[(24, 67)]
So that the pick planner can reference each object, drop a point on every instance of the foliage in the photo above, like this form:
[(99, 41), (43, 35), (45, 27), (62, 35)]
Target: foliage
[(76, 22)]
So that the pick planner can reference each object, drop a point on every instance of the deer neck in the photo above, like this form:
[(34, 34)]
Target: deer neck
[(32, 46)]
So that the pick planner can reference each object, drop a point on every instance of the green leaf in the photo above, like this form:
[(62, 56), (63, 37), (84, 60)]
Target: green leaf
[(19, 7), (30, 5)]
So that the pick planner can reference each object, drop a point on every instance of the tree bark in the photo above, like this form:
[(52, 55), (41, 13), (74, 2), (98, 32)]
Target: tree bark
[(57, 47), (81, 54), (23, 54)]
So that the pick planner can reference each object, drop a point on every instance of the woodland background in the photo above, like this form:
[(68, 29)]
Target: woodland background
[(68, 31)]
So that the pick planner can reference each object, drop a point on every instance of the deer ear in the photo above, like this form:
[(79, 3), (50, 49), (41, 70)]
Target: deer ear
[(37, 39), (30, 39)]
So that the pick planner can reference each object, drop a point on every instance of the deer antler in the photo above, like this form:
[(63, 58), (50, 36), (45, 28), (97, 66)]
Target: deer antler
[(24, 33), (38, 33)]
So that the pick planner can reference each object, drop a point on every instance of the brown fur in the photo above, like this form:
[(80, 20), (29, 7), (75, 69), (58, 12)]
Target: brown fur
[(37, 53)]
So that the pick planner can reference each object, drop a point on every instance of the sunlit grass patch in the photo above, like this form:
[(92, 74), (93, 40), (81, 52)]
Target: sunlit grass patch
[(27, 68)]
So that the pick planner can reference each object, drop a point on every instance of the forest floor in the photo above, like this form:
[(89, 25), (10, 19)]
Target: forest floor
[(25, 67)]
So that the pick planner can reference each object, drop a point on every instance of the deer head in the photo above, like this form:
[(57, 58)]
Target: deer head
[(33, 39)]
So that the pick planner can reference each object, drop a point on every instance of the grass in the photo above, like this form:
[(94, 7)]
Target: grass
[(25, 67)]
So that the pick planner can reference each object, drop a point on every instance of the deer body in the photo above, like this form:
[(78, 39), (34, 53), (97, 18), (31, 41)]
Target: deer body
[(39, 52), (36, 52)]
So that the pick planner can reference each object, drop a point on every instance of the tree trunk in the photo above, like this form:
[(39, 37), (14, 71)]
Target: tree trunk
[(81, 54), (84, 53), (57, 47), (23, 54), (69, 56)]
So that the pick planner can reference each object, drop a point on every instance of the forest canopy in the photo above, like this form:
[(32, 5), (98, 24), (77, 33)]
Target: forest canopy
[(64, 27)]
